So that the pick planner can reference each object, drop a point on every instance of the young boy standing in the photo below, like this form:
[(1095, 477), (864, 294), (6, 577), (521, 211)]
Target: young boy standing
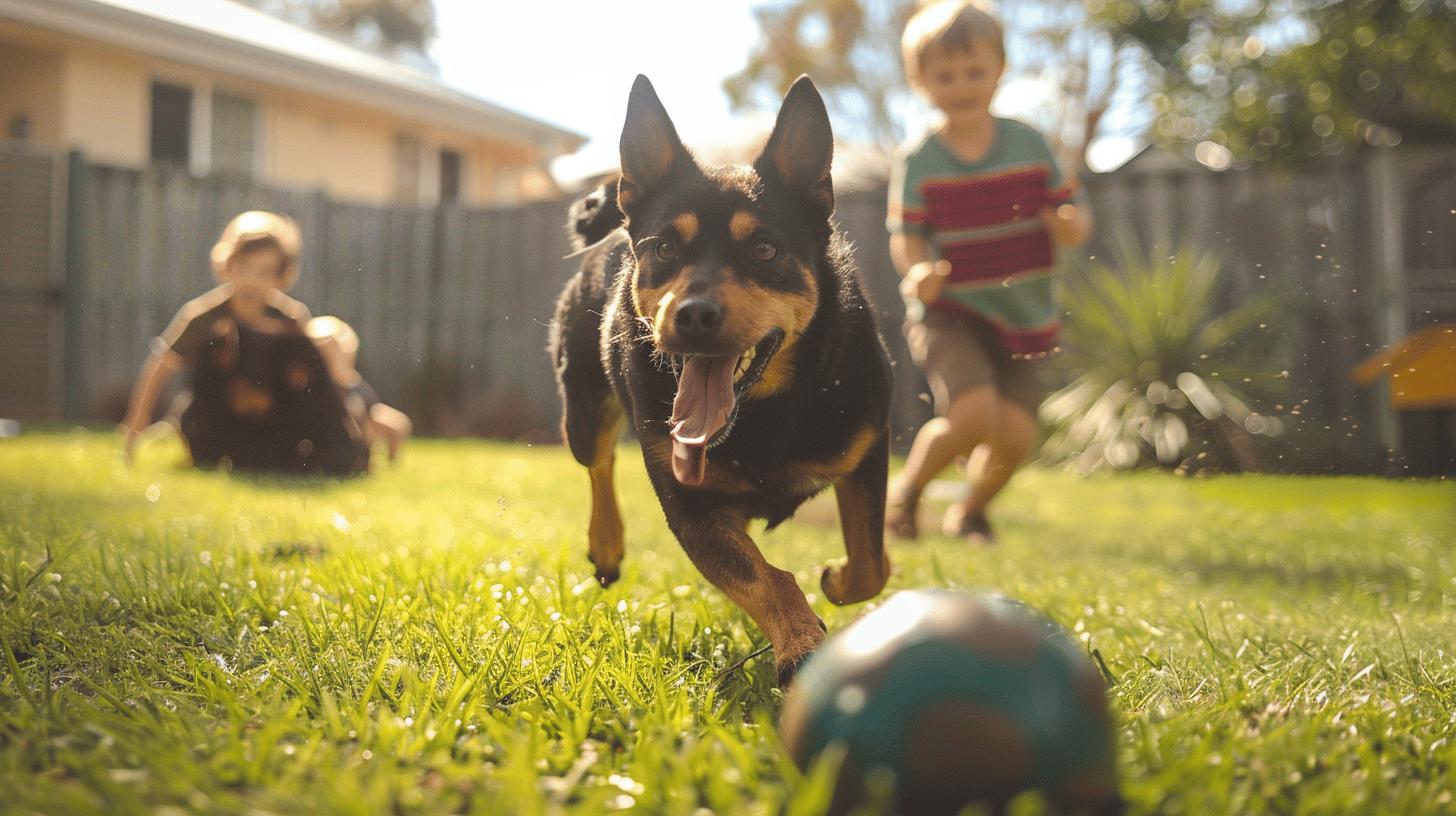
[(977, 209)]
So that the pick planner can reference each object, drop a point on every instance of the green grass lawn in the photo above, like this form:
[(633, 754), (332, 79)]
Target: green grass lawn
[(428, 640)]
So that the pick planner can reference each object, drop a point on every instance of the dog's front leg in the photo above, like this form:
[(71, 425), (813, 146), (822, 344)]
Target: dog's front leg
[(714, 535), (861, 499)]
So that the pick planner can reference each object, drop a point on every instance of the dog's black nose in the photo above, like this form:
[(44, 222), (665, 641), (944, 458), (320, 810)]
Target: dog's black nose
[(697, 318)]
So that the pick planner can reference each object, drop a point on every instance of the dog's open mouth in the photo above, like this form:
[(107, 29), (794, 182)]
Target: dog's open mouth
[(708, 389)]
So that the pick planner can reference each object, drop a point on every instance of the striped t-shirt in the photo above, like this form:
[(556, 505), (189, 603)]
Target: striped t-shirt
[(984, 217)]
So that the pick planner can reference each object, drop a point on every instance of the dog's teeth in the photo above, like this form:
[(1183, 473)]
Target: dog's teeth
[(744, 363)]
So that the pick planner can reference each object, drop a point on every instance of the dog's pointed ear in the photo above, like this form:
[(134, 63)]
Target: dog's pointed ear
[(650, 145), (801, 148)]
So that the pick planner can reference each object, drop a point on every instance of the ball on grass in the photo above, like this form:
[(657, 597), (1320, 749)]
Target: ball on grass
[(963, 699)]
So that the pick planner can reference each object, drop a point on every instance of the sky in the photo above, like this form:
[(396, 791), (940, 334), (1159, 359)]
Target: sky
[(572, 64)]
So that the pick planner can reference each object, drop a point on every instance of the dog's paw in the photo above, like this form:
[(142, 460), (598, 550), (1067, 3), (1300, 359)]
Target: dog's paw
[(606, 575), (791, 656), (788, 670), (840, 589)]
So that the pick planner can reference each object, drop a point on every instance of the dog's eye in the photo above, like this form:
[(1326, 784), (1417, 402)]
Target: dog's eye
[(765, 251), (665, 250)]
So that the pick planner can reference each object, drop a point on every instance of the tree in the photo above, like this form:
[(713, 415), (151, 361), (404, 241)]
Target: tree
[(394, 28), (849, 47), (1286, 80), (852, 50)]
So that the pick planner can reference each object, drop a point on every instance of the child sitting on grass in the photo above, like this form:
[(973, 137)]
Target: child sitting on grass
[(254, 374), (339, 344), (255, 261), (977, 208)]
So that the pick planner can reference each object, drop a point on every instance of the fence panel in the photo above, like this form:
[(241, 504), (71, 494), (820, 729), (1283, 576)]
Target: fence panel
[(31, 319), (453, 305)]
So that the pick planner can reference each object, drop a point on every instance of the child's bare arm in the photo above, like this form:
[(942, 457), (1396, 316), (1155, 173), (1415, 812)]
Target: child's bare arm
[(392, 424), (906, 250), (157, 371)]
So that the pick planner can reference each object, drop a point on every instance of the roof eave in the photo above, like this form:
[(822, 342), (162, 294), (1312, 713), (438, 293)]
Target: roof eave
[(438, 106)]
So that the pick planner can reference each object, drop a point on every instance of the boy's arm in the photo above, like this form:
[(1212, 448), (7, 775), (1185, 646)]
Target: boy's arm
[(157, 371), (906, 250), (1067, 218)]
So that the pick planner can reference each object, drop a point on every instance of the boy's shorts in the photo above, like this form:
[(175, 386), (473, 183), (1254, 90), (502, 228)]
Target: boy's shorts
[(958, 352)]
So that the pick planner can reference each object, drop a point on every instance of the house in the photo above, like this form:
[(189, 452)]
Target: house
[(220, 88)]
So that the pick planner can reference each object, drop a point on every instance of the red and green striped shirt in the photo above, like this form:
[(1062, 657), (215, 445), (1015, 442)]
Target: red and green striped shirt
[(984, 217)]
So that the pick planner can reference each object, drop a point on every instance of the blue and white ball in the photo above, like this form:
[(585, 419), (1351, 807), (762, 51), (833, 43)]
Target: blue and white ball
[(962, 699)]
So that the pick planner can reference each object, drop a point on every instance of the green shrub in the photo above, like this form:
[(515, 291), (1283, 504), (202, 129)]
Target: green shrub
[(1162, 377)]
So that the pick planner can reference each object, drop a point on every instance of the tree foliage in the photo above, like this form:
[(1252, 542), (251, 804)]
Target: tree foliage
[(849, 47), (390, 27), (852, 50), (1286, 80)]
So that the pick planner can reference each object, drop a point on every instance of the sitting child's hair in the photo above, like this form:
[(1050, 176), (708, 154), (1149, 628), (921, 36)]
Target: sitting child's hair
[(948, 25), (255, 230)]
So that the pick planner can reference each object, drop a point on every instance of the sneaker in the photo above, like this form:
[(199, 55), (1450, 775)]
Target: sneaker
[(975, 528)]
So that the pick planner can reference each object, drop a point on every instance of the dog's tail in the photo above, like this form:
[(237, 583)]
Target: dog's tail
[(593, 216)]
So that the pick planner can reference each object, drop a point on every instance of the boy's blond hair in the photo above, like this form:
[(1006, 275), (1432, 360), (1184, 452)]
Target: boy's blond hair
[(255, 229), (948, 25)]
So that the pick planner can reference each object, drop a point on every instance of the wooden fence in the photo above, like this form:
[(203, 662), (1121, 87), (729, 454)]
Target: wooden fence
[(453, 305)]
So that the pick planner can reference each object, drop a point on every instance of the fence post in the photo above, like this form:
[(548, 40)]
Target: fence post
[(1387, 241), (75, 288)]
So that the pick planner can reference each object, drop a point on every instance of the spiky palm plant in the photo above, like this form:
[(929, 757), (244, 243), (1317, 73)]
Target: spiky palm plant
[(1163, 376)]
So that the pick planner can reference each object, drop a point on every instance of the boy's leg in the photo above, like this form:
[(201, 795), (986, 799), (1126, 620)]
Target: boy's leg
[(961, 375), (1019, 394), (1008, 447), (972, 419)]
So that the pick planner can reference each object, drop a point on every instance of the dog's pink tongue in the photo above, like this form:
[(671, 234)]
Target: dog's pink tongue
[(704, 401)]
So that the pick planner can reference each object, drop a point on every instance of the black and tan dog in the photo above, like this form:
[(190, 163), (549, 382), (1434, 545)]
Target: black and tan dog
[(724, 321)]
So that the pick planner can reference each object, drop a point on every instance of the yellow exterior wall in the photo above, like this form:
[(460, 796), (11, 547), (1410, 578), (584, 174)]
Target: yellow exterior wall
[(345, 152), (101, 103), (30, 86), (107, 100)]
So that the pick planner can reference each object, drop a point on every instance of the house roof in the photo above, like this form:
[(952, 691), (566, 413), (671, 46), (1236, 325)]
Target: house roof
[(232, 38)]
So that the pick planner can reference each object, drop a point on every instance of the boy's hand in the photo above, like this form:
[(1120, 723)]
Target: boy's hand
[(924, 281), (129, 437), (1061, 223)]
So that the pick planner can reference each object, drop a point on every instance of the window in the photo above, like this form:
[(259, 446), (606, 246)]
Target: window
[(449, 176), (406, 169), (19, 127), (171, 123), (234, 133)]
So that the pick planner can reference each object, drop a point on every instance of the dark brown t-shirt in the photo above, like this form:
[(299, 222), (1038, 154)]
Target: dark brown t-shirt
[(211, 315)]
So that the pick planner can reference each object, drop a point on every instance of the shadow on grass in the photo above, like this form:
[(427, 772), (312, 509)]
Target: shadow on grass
[(273, 480), (1297, 575)]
